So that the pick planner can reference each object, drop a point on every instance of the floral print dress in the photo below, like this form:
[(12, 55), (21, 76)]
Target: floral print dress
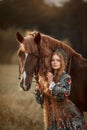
[(63, 113)]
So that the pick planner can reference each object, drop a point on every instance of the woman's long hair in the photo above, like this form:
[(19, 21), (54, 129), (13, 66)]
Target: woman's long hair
[(58, 73)]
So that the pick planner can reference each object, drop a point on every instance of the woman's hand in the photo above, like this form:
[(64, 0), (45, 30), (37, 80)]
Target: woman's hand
[(50, 77)]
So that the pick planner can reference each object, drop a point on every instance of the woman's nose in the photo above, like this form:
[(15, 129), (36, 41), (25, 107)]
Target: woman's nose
[(54, 61)]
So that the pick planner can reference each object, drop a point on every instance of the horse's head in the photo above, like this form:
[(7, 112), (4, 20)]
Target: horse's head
[(35, 49), (28, 58)]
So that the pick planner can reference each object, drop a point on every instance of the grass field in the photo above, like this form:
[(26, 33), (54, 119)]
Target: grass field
[(18, 109)]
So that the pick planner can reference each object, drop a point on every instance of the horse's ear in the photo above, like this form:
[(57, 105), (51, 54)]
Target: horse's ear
[(19, 37), (37, 38)]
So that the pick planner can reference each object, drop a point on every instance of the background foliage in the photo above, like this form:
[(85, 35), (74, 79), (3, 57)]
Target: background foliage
[(66, 22)]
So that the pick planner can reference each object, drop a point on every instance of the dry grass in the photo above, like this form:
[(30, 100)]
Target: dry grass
[(18, 109)]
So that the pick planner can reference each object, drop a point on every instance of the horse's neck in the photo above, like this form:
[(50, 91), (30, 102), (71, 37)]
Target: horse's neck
[(53, 44)]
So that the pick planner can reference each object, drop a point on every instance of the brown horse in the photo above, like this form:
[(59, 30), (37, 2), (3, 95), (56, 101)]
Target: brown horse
[(35, 53)]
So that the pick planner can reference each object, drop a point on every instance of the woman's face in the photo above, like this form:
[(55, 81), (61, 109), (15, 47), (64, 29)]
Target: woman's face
[(55, 62)]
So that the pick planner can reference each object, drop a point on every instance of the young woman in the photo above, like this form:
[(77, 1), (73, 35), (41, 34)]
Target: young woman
[(63, 114)]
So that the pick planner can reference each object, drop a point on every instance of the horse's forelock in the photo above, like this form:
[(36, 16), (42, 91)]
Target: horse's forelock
[(29, 44)]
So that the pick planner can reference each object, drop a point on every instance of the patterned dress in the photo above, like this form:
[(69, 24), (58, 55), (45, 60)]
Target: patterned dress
[(65, 115)]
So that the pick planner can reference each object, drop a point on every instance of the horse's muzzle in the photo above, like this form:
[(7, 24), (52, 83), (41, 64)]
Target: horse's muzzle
[(25, 87)]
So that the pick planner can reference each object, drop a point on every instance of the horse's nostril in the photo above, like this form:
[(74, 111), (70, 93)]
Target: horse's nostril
[(19, 78), (28, 85), (21, 85), (25, 87)]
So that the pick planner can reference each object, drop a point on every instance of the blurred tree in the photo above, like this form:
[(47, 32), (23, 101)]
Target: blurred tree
[(67, 22), (75, 24)]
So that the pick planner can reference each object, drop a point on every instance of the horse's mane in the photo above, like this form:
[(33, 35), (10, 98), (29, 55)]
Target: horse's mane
[(47, 45), (52, 44)]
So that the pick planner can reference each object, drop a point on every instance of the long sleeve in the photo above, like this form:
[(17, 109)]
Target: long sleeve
[(39, 97), (62, 88)]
